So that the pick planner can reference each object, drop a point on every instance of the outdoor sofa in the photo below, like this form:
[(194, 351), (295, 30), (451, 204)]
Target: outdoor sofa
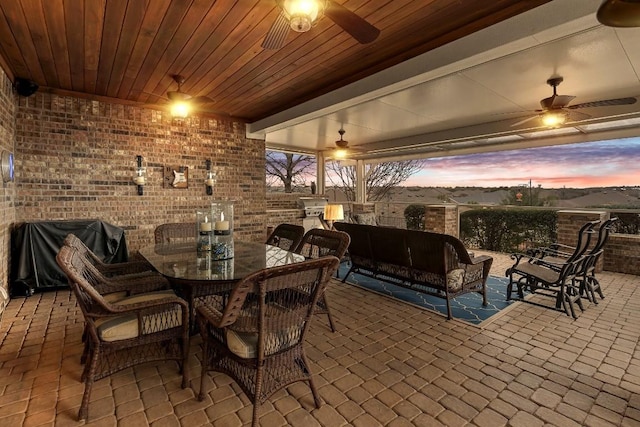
[(432, 263)]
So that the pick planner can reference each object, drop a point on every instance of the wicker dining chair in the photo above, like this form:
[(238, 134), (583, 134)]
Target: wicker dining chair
[(175, 232), (318, 243), (134, 267), (256, 334), (115, 282), (117, 286), (147, 327), (286, 236)]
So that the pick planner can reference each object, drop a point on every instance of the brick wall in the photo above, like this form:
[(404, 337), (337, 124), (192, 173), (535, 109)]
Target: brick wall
[(442, 219), (8, 189), (569, 223), (622, 254), (287, 200), (75, 159), (282, 216)]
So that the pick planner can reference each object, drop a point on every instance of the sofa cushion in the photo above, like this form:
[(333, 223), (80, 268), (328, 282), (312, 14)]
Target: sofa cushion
[(455, 279), (366, 218)]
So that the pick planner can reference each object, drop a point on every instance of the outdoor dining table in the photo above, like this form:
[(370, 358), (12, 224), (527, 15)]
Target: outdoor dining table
[(195, 274)]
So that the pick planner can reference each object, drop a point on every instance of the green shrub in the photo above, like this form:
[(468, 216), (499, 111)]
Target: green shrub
[(415, 216), (508, 230), (628, 223)]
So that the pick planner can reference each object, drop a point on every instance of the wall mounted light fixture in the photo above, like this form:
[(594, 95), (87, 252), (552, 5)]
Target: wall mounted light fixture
[(139, 178), (210, 179)]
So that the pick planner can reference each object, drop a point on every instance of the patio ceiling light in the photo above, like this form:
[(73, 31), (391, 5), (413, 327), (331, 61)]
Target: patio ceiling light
[(180, 109), (554, 119), (303, 14)]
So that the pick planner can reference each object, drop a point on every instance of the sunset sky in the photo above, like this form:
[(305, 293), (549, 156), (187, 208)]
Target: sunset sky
[(593, 164)]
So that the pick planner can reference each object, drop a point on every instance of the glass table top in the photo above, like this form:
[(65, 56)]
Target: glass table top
[(183, 261)]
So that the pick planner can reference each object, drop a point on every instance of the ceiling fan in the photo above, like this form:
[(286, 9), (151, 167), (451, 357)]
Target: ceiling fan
[(342, 149), (302, 15), (556, 109), (182, 103), (619, 13)]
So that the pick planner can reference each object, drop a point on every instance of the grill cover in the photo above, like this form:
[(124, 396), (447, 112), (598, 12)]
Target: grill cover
[(34, 247)]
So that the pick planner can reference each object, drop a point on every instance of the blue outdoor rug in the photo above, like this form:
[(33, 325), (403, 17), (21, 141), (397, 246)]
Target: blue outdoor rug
[(467, 307)]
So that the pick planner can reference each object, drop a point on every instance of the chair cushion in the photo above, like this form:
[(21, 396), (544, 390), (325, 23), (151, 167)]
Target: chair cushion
[(366, 218), (245, 345), (125, 326), (114, 296), (455, 279)]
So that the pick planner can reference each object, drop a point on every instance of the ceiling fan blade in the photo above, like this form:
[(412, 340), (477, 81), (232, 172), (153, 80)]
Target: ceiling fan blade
[(277, 34), (561, 101), (202, 99), (576, 116), (556, 101), (176, 95), (528, 119), (605, 103), (356, 26)]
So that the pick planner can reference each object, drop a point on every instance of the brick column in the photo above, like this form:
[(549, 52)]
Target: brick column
[(569, 223), (442, 219), (363, 207)]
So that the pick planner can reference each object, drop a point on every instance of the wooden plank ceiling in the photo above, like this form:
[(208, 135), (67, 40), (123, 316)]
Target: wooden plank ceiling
[(130, 49)]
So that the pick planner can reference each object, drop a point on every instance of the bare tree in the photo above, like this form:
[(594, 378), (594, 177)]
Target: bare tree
[(380, 177), (289, 169)]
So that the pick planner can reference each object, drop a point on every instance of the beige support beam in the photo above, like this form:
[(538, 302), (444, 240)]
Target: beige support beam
[(361, 190), (320, 175)]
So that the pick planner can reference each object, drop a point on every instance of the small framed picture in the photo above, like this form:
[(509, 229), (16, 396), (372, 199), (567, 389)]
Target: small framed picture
[(176, 177)]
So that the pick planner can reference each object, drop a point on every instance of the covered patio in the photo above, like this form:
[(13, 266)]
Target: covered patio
[(97, 121), (395, 365)]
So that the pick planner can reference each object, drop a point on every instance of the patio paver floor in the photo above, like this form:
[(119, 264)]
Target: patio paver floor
[(389, 363)]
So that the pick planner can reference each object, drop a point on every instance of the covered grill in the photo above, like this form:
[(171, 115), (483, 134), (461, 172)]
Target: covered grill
[(313, 208)]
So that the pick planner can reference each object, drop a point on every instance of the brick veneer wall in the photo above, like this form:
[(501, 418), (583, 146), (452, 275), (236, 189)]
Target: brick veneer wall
[(569, 223), (442, 219), (7, 192), (622, 254), (282, 216), (287, 200), (75, 159)]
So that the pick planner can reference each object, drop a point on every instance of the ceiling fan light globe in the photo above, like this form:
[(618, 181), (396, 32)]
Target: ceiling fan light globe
[(554, 119), (341, 153), (180, 109), (302, 14), (300, 23)]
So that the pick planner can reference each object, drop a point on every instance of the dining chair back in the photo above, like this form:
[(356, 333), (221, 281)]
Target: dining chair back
[(108, 270), (319, 243), (141, 328), (256, 333), (175, 232), (286, 236)]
